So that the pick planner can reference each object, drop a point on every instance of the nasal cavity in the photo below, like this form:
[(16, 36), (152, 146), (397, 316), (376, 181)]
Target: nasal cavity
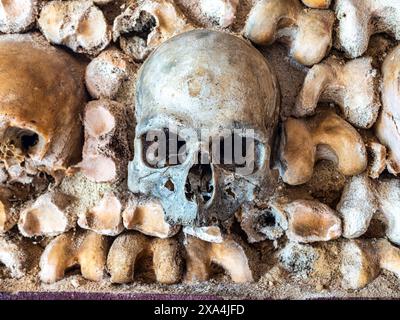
[(199, 184)]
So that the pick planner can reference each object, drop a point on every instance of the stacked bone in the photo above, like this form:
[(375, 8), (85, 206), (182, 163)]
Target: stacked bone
[(314, 133), (60, 214), (138, 224)]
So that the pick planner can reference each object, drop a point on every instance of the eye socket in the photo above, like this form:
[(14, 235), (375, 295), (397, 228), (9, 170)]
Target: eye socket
[(237, 153), (163, 148)]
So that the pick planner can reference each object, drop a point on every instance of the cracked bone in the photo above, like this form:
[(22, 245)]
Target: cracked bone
[(41, 97), (84, 248), (307, 32), (324, 136), (127, 250), (223, 11), (79, 25), (261, 224), (106, 150), (350, 85), (142, 28), (228, 254), (107, 74), (148, 217), (104, 218), (312, 221), (300, 259), (387, 127), (317, 4), (13, 256), (358, 20), (17, 15), (362, 198), (49, 215), (363, 260)]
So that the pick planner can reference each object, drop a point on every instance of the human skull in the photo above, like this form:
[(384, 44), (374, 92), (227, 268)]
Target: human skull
[(204, 81), (41, 96)]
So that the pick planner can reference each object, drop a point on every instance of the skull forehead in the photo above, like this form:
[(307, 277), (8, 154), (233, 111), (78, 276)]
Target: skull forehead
[(208, 79), (39, 88)]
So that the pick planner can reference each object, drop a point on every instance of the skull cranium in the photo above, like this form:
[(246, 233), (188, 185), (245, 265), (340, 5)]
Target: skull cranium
[(41, 96), (213, 81)]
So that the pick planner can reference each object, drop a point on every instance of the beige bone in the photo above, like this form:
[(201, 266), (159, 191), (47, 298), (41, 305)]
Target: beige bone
[(104, 218), (129, 247), (358, 20), (387, 126), (363, 260), (362, 198), (106, 151), (324, 136), (151, 23), (307, 32), (351, 85), (86, 249), (79, 25), (148, 217), (228, 254), (49, 215), (17, 15)]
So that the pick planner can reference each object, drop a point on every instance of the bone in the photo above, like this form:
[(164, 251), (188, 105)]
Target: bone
[(312, 221), (388, 193), (355, 263), (377, 155), (359, 20), (317, 4), (360, 201), (79, 25), (222, 11), (387, 126), (17, 15), (209, 234), (86, 249), (363, 261), (324, 136), (49, 215), (357, 206), (108, 74), (389, 257), (104, 218), (14, 256), (106, 150), (228, 254), (129, 247), (350, 85), (141, 29), (148, 217), (261, 224), (43, 87), (360, 264), (310, 261), (308, 33)]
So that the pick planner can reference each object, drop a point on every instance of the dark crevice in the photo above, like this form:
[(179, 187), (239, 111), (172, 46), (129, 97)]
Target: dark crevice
[(143, 26)]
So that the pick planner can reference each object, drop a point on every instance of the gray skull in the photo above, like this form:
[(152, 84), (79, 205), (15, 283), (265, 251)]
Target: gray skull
[(204, 81)]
